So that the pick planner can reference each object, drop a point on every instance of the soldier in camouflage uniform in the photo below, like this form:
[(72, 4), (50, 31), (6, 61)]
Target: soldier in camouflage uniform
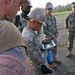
[(50, 30), (33, 42), (22, 19), (70, 26)]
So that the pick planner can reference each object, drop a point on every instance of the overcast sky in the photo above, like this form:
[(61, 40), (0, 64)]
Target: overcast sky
[(41, 3)]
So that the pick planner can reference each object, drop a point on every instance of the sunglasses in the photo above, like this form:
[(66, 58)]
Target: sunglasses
[(49, 9)]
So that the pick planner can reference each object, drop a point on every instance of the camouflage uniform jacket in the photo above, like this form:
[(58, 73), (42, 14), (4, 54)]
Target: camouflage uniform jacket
[(50, 29), (33, 43), (70, 22), (21, 23)]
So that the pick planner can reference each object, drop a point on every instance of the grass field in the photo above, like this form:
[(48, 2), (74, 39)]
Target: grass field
[(61, 13)]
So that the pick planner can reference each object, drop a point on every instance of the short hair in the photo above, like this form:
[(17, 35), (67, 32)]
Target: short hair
[(73, 3)]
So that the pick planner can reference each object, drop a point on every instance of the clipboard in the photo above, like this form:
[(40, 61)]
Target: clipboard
[(49, 45)]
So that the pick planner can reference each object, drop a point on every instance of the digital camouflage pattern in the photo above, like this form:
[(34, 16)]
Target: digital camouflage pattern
[(70, 24), (33, 43), (22, 22), (50, 30)]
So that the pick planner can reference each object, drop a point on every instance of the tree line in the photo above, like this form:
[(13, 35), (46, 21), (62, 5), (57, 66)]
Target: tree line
[(61, 8)]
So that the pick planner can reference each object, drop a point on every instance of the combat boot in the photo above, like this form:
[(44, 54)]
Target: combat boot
[(68, 54), (57, 61), (54, 66)]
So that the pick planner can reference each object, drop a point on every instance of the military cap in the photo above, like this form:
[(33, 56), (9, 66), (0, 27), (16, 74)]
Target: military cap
[(27, 1), (48, 5)]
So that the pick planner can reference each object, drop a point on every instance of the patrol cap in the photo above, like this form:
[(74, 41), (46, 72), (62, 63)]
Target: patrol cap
[(38, 14), (48, 5), (28, 2), (73, 4), (24, 3), (28, 5)]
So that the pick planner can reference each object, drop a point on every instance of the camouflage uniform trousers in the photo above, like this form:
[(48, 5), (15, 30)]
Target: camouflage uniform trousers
[(54, 50), (71, 36), (37, 65)]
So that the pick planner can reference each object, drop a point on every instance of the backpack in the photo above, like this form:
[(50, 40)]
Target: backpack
[(17, 19)]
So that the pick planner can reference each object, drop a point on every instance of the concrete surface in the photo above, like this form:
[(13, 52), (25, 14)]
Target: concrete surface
[(67, 67)]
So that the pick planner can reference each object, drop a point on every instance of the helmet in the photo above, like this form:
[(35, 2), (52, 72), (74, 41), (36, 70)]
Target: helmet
[(48, 5), (37, 14)]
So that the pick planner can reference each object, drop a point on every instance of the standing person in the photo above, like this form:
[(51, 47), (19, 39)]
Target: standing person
[(22, 19), (13, 54), (70, 26), (50, 31), (33, 42)]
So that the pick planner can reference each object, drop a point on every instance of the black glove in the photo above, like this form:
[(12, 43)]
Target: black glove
[(42, 49), (45, 70)]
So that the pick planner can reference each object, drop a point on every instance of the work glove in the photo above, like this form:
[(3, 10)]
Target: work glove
[(42, 49)]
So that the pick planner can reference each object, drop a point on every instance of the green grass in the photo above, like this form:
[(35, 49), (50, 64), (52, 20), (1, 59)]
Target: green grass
[(61, 13)]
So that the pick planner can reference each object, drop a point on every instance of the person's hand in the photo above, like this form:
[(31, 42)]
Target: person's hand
[(46, 40), (42, 49), (56, 35), (68, 30)]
